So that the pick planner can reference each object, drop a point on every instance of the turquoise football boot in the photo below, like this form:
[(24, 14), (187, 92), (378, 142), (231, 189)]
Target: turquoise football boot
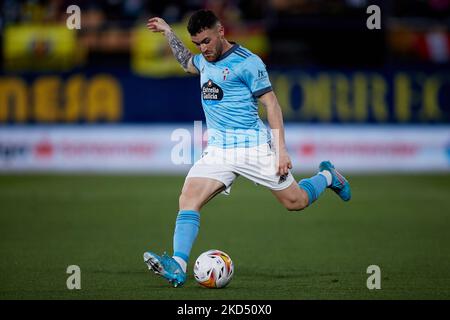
[(339, 184), (166, 267)]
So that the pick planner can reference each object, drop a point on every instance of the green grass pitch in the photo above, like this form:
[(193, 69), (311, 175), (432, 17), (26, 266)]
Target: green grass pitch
[(104, 223)]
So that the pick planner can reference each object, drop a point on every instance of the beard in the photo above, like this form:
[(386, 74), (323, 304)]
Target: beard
[(213, 56)]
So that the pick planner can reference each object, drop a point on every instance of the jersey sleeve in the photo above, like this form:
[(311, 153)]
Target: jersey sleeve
[(255, 76), (196, 61)]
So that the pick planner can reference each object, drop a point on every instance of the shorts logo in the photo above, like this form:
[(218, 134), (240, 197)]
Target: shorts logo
[(282, 178), (211, 92)]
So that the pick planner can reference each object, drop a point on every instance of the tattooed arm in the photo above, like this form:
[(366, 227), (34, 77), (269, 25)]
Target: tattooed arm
[(181, 53)]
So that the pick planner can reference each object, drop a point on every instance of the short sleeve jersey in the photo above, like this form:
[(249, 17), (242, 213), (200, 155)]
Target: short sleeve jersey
[(230, 87)]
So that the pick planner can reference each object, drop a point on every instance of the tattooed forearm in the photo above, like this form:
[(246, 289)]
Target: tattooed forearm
[(181, 53)]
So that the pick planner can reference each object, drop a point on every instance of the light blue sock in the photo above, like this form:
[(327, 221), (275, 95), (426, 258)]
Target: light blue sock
[(313, 186), (186, 230)]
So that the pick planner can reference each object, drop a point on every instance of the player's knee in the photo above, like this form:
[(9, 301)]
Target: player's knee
[(296, 204), (188, 201), (299, 202), (295, 207), (185, 201)]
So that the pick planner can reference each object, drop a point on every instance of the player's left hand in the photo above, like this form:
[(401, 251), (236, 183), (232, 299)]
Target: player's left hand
[(157, 24), (284, 162)]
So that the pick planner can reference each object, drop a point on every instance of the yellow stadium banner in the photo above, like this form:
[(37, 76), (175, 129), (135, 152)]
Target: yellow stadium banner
[(40, 47), (152, 56)]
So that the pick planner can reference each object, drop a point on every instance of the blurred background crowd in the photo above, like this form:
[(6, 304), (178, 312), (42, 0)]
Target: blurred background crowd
[(330, 33)]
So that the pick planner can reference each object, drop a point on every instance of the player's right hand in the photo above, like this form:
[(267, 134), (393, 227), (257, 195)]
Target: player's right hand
[(157, 25)]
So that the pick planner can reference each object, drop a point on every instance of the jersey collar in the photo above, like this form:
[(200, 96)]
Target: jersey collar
[(226, 54)]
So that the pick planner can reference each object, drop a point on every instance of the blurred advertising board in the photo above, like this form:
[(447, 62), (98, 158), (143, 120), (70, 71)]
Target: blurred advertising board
[(390, 96), (86, 148), (371, 148), (40, 48), (157, 148)]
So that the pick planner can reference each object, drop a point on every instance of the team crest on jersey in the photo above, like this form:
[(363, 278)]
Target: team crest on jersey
[(225, 72), (211, 92)]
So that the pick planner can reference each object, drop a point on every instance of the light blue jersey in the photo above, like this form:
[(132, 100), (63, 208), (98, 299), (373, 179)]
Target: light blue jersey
[(229, 90)]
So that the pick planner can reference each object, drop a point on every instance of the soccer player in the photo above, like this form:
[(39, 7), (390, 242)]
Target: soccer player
[(232, 80)]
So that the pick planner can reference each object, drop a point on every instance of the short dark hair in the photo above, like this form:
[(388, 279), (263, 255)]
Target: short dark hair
[(201, 20)]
